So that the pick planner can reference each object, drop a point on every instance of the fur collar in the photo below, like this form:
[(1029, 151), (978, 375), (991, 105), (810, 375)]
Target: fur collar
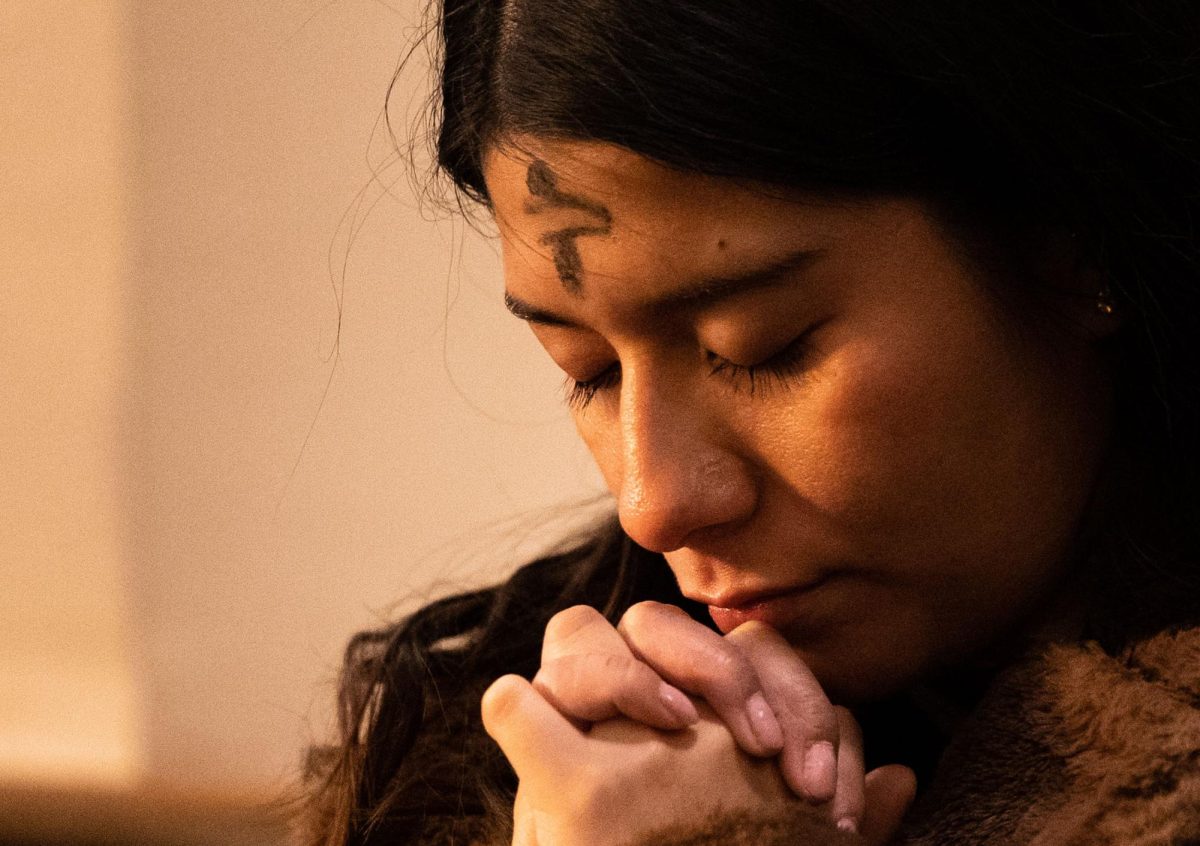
[(1074, 747), (1070, 747)]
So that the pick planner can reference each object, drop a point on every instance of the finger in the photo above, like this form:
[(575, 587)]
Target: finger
[(889, 792), (581, 629), (700, 661), (536, 738), (809, 722), (584, 691), (592, 688), (849, 799)]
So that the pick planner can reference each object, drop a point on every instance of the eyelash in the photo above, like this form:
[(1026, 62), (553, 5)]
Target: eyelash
[(580, 394), (776, 371)]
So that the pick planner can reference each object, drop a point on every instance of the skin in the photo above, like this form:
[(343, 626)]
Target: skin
[(545, 194), (921, 456), (622, 781)]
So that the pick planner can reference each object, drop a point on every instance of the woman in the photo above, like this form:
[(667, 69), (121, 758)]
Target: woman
[(876, 320)]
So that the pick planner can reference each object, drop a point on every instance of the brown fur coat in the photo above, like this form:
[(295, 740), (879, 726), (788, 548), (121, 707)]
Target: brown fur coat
[(1072, 747)]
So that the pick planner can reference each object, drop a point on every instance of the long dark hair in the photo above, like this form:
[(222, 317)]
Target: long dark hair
[(1012, 120)]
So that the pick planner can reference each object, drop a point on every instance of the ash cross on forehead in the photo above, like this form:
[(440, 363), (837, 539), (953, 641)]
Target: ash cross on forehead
[(545, 194)]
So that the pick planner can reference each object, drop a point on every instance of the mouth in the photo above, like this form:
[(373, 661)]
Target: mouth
[(782, 608)]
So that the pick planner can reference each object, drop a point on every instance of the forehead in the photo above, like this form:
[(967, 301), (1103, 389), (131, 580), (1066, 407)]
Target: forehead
[(595, 234), (628, 216), (632, 185)]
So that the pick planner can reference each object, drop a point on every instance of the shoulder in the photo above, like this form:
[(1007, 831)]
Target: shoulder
[(1128, 729), (1077, 746)]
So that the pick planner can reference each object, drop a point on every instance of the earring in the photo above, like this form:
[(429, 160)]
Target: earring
[(1104, 301)]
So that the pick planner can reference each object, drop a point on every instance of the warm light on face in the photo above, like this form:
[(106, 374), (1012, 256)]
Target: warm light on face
[(812, 398)]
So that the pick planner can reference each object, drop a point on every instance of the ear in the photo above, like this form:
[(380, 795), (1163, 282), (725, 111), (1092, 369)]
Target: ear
[(1080, 289)]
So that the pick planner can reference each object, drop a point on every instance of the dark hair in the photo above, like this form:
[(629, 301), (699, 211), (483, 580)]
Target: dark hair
[(1014, 121)]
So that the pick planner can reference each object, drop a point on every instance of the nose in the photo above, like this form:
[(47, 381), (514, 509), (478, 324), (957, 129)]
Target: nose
[(680, 471)]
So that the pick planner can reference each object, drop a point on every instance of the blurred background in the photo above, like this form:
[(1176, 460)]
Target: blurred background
[(254, 396)]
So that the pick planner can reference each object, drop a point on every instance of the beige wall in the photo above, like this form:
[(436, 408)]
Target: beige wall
[(228, 503), (68, 708)]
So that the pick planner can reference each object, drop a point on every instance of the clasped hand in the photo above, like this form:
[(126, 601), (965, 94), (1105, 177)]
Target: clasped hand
[(661, 721)]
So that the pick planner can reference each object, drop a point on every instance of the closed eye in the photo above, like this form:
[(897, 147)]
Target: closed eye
[(579, 394), (778, 370)]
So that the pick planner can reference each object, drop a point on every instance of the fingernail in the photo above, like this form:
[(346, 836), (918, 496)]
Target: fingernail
[(848, 825), (678, 704), (820, 771), (763, 723)]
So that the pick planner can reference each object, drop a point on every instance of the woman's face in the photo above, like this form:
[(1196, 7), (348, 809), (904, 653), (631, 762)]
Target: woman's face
[(815, 410)]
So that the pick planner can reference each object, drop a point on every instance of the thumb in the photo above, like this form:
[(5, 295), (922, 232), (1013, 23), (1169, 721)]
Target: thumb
[(539, 742), (889, 792)]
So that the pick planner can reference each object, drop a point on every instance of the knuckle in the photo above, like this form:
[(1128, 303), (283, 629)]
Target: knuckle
[(802, 702), (720, 664), (570, 622), (720, 659), (501, 699), (593, 672), (618, 666), (581, 672), (648, 614), (630, 681), (823, 725), (811, 718), (574, 687), (639, 616)]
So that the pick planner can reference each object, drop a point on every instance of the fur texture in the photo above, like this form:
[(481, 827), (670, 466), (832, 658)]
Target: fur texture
[(801, 826), (1073, 747)]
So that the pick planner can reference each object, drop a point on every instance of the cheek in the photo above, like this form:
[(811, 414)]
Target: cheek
[(603, 440), (899, 444)]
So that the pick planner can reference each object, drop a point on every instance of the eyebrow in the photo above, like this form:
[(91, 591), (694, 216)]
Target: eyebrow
[(702, 293)]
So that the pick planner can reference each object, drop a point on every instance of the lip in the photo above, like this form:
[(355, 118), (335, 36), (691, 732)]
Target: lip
[(780, 608)]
